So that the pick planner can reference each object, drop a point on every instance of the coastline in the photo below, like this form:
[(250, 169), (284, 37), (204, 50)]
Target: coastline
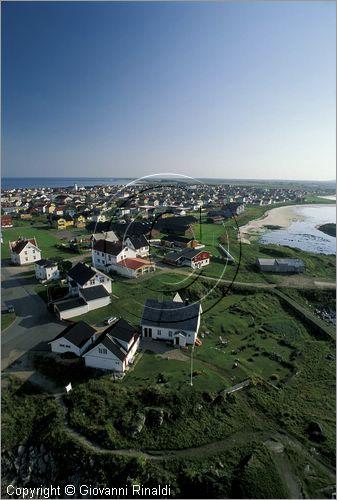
[(282, 217)]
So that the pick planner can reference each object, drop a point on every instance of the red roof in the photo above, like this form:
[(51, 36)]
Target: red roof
[(18, 246), (135, 263)]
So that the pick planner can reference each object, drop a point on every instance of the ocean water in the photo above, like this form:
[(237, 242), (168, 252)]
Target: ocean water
[(303, 233), (39, 182)]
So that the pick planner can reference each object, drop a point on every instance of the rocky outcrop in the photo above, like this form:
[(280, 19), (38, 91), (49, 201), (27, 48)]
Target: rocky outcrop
[(28, 464)]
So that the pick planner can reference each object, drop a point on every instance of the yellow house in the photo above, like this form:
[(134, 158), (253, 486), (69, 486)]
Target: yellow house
[(51, 208), (80, 221), (26, 216), (63, 223)]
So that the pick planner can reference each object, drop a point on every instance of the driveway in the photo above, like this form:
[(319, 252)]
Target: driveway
[(34, 325)]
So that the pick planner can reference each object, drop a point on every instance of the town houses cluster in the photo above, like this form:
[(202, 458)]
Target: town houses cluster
[(76, 206), (130, 232)]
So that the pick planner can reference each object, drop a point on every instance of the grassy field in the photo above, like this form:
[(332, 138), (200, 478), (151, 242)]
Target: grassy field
[(46, 238), (242, 336), (245, 269), (128, 296), (6, 320)]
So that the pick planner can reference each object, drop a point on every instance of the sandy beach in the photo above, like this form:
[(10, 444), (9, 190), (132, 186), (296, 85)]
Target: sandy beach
[(279, 216)]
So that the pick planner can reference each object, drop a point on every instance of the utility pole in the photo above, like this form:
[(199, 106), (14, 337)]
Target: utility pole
[(191, 383), (200, 230)]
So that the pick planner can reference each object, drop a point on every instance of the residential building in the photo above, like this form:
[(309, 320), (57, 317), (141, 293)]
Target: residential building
[(115, 257), (139, 244), (6, 221), (190, 257), (89, 289), (46, 270), (171, 321), (115, 348), (24, 251), (75, 338)]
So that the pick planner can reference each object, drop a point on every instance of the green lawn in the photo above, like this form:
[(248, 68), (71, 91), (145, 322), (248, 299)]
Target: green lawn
[(7, 319), (46, 239)]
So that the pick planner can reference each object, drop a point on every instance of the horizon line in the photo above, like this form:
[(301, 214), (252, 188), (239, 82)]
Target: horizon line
[(197, 178)]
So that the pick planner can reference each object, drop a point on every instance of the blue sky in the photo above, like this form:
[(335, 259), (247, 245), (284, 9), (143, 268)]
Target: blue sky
[(232, 90)]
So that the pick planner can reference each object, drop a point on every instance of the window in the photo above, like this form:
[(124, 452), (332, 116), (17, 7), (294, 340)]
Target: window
[(26, 252), (101, 279), (26, 259), (92, 282), (170, 333), (33, 251), (98, 260), (158, 332), (34, 257), (101, 350), (102, 253)]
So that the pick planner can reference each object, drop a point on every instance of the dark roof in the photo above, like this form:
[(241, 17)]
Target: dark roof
[(69, 304), (77, 333), (19, 245), (121, 330), (81, 273), (94, 292), (170, 314), (139, 241), (180, 239), (109, 247), (137, 228), (189, 253), (112, 345), (174, 256), (45, 263)]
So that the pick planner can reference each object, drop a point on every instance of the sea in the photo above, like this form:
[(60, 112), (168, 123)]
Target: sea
[(304, 233), (55, 182)]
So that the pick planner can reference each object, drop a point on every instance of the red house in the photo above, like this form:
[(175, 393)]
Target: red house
[(6, 221)]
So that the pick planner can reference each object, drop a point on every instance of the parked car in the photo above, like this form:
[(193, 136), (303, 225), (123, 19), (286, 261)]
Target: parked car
[(110, 320), (10, 309)]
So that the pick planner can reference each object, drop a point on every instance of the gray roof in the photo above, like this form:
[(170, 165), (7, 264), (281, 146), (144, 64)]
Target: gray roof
[(288, 262), (173, 256), (189, 253), (121, 330), (76, 333), (45, 263), (139, 241), (94, 292), (81, 273), (171, 314), (112, 345), (70, 304)]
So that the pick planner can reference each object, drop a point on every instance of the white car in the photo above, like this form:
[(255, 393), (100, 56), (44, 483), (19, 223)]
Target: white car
[(110, 320)]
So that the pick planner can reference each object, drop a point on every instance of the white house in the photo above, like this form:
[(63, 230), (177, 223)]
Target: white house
[(171, 320), (24, 251), (114, 349), (114, 256), (139, 244), (107, 254), (81, 277), (190, 257), (76, 338), (89, 289), (46, 270)]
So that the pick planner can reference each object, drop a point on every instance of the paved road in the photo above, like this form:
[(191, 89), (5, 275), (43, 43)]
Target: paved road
[(289, 282), (34, 325)]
